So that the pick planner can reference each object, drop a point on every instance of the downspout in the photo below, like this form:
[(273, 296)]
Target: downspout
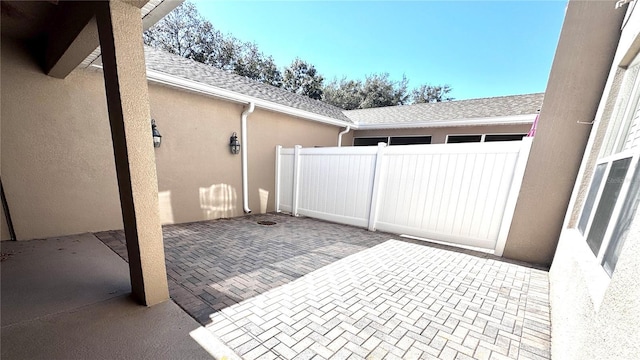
[(243, 151), (342, 133)]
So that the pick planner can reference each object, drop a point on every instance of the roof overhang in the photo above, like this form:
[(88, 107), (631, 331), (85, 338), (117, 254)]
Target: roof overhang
[(151, 13), (497, 120), (161, 78)]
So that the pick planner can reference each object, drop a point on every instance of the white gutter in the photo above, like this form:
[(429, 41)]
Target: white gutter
[(177, 82), (501, 120), (243, 151), (342, 133)]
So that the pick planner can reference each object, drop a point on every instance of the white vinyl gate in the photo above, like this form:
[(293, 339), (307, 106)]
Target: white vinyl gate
[(458, 193)]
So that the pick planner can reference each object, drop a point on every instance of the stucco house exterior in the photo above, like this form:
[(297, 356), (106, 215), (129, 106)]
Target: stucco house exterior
[(595, 293), (66, 169), (196, 108)]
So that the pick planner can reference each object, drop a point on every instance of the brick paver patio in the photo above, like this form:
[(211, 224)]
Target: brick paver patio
[(306, 289)]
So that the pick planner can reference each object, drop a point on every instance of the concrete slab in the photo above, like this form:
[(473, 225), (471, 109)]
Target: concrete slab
[(41, 277), (116, 328), (68, 298)]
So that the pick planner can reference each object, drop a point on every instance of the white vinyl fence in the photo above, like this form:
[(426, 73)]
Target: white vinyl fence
[(457, 193)]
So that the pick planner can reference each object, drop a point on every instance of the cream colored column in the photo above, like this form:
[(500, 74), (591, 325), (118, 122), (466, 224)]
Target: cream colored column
[(581, 65), (120, 30)]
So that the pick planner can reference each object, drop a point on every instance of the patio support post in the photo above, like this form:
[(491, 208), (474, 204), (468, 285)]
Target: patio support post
[(578, 76), (120, 32)]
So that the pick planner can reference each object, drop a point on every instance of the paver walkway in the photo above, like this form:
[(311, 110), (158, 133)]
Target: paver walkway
[(214, 264), (377, 297)]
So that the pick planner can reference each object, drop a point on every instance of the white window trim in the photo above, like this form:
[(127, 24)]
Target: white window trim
[(627, 118), (609, 160)]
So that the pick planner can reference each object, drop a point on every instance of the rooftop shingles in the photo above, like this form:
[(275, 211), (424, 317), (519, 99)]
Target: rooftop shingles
[(405, 115), (175, 65)]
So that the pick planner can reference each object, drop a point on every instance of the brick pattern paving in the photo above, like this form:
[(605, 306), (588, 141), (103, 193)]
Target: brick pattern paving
[(397, 300), (214, 264), (310, 289)]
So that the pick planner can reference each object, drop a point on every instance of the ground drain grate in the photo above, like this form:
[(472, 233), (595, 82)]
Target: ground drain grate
[(266, 222)]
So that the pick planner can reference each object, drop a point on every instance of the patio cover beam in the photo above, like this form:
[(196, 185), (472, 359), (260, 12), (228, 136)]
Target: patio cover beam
[(120, 29), (74, 36)]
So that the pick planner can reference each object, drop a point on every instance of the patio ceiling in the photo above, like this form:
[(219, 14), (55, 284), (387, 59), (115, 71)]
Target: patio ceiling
[(65, 33)]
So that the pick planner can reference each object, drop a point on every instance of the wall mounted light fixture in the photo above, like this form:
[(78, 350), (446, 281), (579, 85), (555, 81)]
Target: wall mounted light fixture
[(234, 144), (157, 138)]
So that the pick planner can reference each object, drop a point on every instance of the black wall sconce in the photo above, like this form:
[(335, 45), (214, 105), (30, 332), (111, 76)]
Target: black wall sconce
[(234, 144), (157, 138)]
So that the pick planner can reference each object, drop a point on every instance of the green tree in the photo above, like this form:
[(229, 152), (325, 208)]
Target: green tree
[(303, 78), (345, 94), (378, 90), (253, 64), (182, 32), (431, 93)]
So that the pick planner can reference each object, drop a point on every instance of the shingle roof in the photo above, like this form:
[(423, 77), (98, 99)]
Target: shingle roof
[(191, 70), (432, 113)]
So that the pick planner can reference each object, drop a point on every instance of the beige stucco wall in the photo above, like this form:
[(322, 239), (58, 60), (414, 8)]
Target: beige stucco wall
[(57, 168), (57, 161), (580, 328), (594, 317), (578, 75), (439, 135), (195, 151)]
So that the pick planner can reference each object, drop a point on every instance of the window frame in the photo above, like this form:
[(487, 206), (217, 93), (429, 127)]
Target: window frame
[(409, 136), (484, 136), (371, 137), (609, 160), (446, 141), (390, 137), (611, 151)]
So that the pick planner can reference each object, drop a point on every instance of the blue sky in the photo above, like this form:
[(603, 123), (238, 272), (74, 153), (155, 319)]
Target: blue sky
[(480, 48)]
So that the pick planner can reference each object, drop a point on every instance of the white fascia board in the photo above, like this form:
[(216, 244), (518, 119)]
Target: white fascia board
[(194, 86), (497, 120)]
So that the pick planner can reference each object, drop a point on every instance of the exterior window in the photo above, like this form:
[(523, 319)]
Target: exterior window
[(503, 137), (591, 197), (455, 139), (606, 204), (410, 140), (627, 213), (612, 199), (370, 141), (610, 206)]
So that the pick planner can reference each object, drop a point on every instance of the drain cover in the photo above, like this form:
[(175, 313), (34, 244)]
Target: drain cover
[(266, 222)]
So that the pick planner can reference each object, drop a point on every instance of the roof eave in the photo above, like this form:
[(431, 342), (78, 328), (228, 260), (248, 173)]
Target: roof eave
[(159, 77), (497, 120)]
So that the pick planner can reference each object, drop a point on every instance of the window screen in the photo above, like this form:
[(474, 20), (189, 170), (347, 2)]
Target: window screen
[(503, 137), (369, 141), (454, 139), (627, 213), (591, 197), (410, 140), (607, 203)]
